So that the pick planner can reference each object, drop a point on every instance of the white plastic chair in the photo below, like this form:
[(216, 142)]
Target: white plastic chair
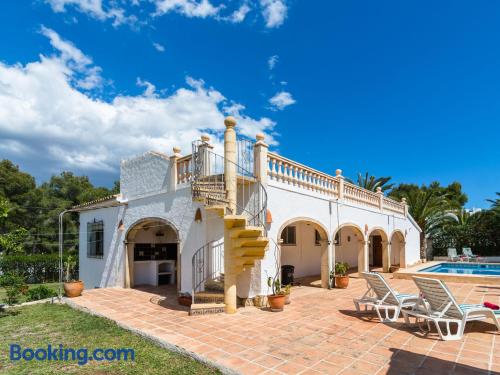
[(452, 254), (440, 307), (383, 299), (467, 251)]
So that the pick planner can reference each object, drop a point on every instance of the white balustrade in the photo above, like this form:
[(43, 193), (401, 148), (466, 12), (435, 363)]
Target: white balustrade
[(289, 172)]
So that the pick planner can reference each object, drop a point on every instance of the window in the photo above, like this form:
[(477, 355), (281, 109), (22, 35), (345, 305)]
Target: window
[(317, 238), (95, 237), (288, 236), (337, 239)]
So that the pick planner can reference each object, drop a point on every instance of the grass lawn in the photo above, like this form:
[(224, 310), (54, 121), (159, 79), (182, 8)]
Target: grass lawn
[(37, 326), (22, 299)]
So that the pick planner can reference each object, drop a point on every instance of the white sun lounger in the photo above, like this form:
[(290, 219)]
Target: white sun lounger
[(382, 298), (440, 307), (452, 255), (468, 253)]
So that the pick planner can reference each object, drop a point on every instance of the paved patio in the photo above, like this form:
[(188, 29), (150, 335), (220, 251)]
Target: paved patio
[(319, 333)]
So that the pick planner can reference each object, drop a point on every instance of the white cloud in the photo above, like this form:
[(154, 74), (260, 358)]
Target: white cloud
[(81, 68), (47, 121), (95, 9), (272, 61), (188, 8), (239, 14), (274, 12), (281, 100), (158, 47)]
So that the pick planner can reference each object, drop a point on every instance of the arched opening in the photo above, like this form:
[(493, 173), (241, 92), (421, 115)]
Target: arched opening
[(398, 249), (152, 247), (349, 247), (304, 245), (378, 250)]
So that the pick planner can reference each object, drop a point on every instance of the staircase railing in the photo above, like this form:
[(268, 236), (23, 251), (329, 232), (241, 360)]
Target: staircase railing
[(208, 264), (208, 182)]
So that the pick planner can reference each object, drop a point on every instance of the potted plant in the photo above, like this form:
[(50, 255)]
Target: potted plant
[(277, 299), (287, 290), (341, 278), (184, 299), (72, 287)]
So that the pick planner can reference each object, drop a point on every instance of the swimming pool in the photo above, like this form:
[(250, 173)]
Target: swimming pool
[(460, 268)]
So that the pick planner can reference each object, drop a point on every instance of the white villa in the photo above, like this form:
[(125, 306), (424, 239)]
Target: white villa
[(202, 221)]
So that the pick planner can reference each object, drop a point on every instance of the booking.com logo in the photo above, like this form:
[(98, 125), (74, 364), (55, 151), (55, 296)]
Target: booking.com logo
[(59, 353)]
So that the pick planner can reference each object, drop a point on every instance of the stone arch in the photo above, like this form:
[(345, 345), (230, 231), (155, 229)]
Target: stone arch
[(386, 256), (323, 243), (130, 237), (361, 248), (398, 248)]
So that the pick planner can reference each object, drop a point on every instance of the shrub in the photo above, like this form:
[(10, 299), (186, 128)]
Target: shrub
[(38, 268), (14, 286), (341, 268), (40, 292)]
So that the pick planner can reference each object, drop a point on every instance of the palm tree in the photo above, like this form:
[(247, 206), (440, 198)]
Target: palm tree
[(495, 203), (372, 183), (429, 210)]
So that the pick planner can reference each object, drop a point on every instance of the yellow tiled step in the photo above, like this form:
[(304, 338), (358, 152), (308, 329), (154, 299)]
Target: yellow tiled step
[(246, 232), (250, 242)]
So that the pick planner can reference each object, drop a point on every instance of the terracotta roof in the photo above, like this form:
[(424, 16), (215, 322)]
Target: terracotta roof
[(99, 203)]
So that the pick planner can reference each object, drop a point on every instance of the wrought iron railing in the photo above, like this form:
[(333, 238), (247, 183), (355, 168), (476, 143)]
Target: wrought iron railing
[(208, 265)]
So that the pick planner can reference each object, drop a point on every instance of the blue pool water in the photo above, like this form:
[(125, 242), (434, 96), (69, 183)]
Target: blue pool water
[(465, 268)]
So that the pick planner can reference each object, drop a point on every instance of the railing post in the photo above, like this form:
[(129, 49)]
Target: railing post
[(173, 168), (204, 150), (230, 155), (403, 200), (260, 159), (380, 194), (338, 173)]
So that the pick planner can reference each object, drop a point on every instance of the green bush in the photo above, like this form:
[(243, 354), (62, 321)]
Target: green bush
[(14, 285), (40, 292), (38, 268)]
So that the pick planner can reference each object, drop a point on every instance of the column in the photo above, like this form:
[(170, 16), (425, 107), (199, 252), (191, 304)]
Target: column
[(260, 159), (338, 173), (380, 195), (173, 169)]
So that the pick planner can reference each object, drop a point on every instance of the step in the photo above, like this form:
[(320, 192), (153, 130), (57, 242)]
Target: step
[(218, 209), (246, 232), (257, 251), (209, 297), (250, 242), (235, 221), (207, 308)]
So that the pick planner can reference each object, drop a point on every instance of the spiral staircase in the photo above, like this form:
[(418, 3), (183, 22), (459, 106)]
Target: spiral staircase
[(245, 239)]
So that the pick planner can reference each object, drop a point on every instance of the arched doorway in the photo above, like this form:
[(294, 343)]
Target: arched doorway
[(378, 250), (304, 245), (398, 249), (152, 247), (350, 247)]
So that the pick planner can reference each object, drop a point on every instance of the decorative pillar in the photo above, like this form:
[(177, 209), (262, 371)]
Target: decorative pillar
[(331, 260), (338, 173), (204, 150), (230, 160), (230, 155), (380, 195), (260, 159), (386, 256), (173, 169), (363, 256), (403, 200)]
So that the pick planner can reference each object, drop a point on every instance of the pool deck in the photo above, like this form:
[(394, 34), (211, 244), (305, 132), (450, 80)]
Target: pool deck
[(408, 273)]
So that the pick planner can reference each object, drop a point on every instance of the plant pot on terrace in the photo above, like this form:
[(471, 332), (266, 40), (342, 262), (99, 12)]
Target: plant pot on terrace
[(184, 299), (72, 287), (341, 278), (277, 299)]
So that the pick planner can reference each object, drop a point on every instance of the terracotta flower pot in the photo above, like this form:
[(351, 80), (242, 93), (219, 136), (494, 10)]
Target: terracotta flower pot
[(276, 302), (185, 300), (341, 281), (73, 288)]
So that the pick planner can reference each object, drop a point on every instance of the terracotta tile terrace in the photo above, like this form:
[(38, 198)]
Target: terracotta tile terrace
[(318, 333)]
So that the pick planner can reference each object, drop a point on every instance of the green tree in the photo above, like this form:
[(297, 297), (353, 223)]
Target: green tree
[(372, 183), (428, 209)]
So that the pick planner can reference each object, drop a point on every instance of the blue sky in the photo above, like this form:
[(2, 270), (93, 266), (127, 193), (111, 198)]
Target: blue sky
[(402, 89)]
